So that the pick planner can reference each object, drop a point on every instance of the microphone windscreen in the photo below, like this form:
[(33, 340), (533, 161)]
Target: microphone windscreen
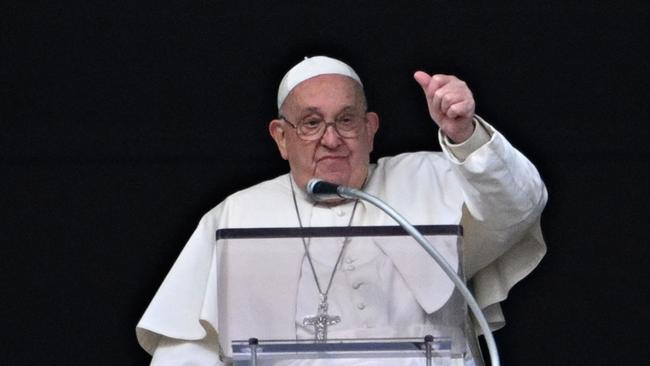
[(319, 186)]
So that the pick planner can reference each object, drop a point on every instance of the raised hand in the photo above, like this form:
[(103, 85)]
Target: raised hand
[(451, 104)]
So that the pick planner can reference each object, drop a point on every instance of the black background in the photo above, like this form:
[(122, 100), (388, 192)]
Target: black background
[(123, 122)]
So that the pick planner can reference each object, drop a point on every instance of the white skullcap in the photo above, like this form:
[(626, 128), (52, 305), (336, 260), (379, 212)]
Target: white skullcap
[(311, 67)]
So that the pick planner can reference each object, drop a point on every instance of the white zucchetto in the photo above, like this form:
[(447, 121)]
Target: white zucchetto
[(311, 67)]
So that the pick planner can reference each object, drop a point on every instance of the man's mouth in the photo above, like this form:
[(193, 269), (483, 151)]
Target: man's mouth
[(331, 158)]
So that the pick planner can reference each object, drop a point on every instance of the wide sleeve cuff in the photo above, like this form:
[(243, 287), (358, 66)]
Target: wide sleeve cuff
[(461, 151)]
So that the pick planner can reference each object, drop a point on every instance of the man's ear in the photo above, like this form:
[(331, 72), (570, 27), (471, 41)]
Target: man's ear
[(276, 129), (373, 126)]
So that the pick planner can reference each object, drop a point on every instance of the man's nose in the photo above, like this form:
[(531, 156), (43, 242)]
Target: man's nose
[(331, 137)]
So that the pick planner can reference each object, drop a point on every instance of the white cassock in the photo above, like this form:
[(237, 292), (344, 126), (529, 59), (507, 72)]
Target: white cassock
[(484, 184)]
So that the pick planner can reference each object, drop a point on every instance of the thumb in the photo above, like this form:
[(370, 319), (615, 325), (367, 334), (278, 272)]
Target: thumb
[(423, 79)]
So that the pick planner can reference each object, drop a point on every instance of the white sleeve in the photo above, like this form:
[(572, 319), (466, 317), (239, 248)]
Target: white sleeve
[(504, 197), (179, 352)]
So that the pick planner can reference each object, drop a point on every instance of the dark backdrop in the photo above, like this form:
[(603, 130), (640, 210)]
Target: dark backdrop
[(123, 122)]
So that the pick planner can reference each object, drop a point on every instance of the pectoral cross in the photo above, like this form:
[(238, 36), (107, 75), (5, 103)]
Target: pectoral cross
[(321, 321)]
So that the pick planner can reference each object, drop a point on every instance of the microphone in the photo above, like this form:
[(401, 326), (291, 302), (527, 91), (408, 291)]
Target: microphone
[(322, 190), (319, 186)]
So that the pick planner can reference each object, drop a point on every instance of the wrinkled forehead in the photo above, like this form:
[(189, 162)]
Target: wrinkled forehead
[(329, 93), (310, 68)]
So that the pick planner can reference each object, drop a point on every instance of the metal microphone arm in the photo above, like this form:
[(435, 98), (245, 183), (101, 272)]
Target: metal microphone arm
[(348, 192)]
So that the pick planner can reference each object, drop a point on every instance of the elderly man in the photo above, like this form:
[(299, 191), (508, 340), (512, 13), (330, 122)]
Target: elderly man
[(325, 131)]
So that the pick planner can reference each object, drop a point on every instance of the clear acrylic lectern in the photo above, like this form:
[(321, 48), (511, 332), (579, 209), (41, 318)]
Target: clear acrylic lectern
[(258, 275)]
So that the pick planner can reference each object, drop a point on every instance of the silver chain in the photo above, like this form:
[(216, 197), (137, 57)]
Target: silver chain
[(306, 245)]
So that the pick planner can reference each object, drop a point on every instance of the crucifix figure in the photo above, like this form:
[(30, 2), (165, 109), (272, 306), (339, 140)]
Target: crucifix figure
[(321, 321)]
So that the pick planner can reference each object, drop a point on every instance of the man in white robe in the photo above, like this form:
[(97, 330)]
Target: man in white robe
[(324, 131)]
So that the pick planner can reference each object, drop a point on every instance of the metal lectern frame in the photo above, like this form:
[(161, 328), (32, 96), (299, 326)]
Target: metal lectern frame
[(245, 352)]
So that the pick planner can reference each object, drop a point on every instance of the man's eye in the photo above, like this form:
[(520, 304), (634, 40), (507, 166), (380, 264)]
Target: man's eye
[(311, 123), (346, 122)]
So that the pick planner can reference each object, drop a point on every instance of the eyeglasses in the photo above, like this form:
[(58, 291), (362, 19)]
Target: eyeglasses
[(313, 127)]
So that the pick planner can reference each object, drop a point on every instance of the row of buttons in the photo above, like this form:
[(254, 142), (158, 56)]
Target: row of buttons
[(356, 285)]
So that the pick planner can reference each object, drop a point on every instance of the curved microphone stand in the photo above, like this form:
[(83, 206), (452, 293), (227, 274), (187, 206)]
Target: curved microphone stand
[(317, 187)]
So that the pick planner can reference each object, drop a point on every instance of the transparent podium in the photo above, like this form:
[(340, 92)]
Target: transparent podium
[(264, 307)]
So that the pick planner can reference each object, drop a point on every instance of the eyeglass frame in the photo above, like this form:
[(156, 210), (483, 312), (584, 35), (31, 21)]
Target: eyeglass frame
[(317, 136)]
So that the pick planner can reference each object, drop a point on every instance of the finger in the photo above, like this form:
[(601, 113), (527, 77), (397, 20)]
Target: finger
[(430, 84), (448, 99), (453, 98), (435, 100), (423, 79), (440, 80), (439, 86), (462, 109), (454, 91)]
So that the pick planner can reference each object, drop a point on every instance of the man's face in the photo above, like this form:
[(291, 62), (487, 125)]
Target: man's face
[(331, 157)]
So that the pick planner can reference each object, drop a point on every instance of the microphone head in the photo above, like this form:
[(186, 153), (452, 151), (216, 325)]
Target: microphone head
[(311, 184), (321, 190), (319, 186)]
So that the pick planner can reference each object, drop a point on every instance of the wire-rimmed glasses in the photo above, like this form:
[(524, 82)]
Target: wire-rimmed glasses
[(313, 127)]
